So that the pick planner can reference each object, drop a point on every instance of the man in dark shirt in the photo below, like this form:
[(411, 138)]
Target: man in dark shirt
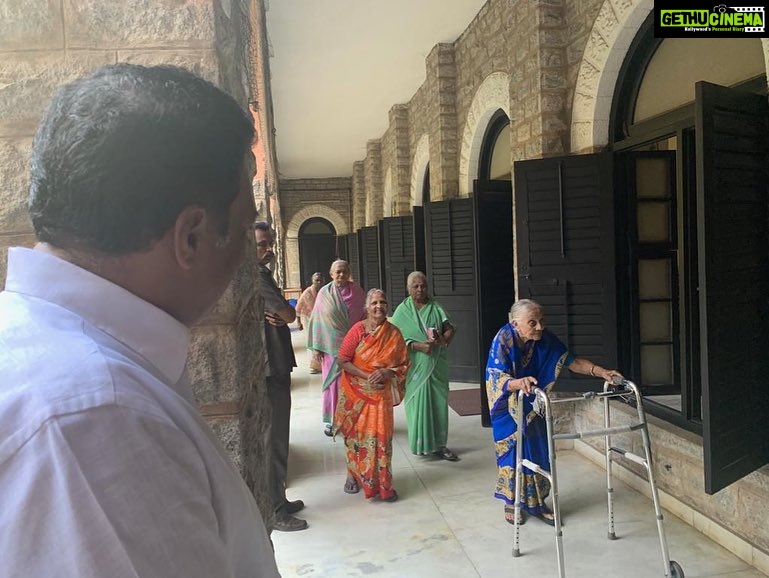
[(280, 363)]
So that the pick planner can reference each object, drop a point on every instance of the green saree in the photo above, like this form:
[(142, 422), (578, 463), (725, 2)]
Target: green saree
[(427, 384)]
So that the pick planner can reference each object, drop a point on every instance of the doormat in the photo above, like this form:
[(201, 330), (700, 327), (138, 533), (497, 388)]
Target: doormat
[(465, 401)]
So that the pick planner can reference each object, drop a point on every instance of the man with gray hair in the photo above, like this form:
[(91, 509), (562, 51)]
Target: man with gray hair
[(141, 201)]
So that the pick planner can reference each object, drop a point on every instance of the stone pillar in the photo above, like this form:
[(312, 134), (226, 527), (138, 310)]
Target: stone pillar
[(401, 175), (539, 87), (358, 195), (444, 157), (555, 87), (374, 188)]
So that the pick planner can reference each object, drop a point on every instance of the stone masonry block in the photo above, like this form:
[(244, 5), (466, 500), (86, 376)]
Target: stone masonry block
[(202, 62), (227, 430), (551, 17), (552, 58), (14, 184), (213, 364), (235, 300), (752, 513), (31, 25), (606, 22), (553, 80), (29, 79), (139, 23)]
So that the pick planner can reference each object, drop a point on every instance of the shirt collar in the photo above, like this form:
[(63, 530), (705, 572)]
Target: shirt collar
[(142, 327)]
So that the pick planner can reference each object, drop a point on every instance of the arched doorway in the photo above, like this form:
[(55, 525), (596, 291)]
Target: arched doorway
[(317, 248)]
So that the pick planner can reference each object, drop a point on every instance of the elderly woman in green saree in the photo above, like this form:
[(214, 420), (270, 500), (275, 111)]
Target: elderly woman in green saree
[(428, 332)]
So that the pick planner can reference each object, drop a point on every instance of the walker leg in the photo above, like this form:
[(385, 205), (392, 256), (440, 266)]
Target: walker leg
[(518, 477), (610, 533), (666, 564), (553, 476)]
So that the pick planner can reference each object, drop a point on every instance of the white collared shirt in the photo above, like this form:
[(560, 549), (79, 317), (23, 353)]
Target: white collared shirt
[(106, 467)]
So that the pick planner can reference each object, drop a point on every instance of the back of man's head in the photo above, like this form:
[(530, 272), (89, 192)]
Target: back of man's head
[(120, 153)]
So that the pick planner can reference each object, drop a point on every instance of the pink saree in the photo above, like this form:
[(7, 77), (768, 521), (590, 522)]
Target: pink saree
[(336, 310)]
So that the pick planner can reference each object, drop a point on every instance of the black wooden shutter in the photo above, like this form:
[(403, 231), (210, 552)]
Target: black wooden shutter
[(369, 258), (342, 251), (733, 266), (396, 235), (420, 263), (450, 254), (566, 258), (353, 246), (495, 279)]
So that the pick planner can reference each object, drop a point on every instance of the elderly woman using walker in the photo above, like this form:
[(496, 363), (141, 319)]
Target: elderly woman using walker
[(525, 355)]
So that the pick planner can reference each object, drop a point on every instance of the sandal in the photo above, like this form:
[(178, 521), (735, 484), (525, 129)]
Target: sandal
[(329, 430), (392, 498), (446, 454), (510, 516), (351, 487), (547, 517)]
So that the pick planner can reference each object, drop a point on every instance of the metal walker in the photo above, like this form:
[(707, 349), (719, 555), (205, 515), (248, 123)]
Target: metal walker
[(620, 388)]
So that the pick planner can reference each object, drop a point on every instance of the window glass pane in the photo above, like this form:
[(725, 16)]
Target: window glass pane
[(500, 157), (680, 62), (653, 222), (653, 178), (654, 279), (317, 228), (657, 364), (655, 322)]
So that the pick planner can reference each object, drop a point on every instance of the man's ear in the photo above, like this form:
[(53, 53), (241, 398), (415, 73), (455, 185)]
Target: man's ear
[(188, 234)]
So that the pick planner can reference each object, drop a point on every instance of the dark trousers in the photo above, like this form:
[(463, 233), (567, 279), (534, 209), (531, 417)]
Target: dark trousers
[(279, 391)]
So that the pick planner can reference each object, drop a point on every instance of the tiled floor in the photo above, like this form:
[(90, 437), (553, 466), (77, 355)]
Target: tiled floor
[(446, 523)]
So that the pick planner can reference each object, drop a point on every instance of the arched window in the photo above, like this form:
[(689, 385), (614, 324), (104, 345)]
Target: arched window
[(495, 161)]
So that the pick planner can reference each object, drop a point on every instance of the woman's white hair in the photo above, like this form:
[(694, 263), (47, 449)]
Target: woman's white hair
[(521, 307), (371, 293), (338, 262), (415, 275)]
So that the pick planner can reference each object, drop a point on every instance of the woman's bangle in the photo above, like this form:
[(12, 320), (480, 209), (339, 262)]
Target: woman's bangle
[(592, 371)]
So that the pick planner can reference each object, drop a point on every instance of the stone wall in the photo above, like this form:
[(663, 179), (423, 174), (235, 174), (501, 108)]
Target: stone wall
[(420, 129), (358, 195), (333, 193), (44, 44), (374, 178), (303, 199)]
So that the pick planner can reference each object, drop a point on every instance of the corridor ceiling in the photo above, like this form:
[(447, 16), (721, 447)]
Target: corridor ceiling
[(338, 66)]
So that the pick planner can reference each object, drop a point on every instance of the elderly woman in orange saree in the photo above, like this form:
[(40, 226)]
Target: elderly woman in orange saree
[(374, 361)]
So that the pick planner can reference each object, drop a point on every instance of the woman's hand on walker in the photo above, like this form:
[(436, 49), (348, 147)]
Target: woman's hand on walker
[(525, 384)]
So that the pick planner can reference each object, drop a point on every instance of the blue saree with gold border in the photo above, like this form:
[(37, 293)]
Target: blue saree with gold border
[(508, 359)]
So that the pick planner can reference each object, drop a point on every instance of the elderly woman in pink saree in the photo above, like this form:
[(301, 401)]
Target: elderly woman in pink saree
[(338, 306)]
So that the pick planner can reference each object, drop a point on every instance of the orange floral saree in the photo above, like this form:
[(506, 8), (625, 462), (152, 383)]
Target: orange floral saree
[(364, 413)]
